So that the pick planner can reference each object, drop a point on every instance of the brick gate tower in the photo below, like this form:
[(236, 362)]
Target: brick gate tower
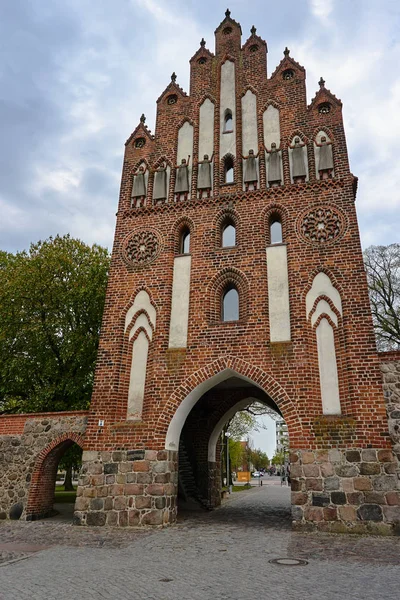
[(237, 275)]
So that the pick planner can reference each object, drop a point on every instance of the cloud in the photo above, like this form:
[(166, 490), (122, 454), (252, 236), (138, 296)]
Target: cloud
[(321, 8), (76, 76)]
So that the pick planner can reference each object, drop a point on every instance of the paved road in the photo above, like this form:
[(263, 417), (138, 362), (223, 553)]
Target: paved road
[(220, 555)]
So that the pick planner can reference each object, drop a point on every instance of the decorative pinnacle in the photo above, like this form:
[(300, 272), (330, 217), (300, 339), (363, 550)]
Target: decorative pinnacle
[(202, 42), (253, 30), (321, 83), (286, 51), (227, 13), (173, 77), (143, 118)]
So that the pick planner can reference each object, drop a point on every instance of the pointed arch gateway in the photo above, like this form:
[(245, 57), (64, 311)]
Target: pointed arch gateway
[(194, 387), (41, 490)]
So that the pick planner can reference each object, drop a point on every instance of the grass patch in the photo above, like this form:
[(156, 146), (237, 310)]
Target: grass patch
[(63, 497), (241, 488)]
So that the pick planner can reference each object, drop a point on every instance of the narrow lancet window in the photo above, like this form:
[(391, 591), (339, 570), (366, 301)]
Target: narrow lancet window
[(185, 242), (228, 121), (230, 304), (275, 231), (228, 235), (228, 170)]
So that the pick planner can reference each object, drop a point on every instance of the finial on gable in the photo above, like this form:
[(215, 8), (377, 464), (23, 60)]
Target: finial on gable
[(253, 30), (321, 83), (286, 52), (173, 77), (227, 13), (143, 118), (202, 42)]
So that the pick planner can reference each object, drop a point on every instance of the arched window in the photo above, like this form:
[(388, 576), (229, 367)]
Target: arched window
[(275, 230), (230, 304), (184, 246), (228, 121), (228, 234), (228, 169)]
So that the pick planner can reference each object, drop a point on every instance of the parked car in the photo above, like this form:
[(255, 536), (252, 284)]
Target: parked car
[(256, 474)]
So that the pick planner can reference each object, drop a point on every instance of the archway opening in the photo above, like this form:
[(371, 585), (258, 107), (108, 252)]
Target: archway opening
[(212, 465), (54, 481)]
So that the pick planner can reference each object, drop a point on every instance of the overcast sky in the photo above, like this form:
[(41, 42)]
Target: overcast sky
[(77, 74)]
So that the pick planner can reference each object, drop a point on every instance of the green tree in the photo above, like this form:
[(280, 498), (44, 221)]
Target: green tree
[(71, 461), (259, 459), (278, 458), (236, 454), (247, 420), (382, 264), (51, 304)]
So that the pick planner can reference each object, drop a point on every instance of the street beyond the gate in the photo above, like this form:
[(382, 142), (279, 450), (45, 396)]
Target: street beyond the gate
[(221, 555)]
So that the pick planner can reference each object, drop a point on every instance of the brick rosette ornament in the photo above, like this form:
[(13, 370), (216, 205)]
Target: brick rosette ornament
[(321, 225), (141, 247)]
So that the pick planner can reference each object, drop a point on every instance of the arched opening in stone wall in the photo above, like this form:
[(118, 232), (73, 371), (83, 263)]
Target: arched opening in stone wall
[(43, 502), (204, 475)]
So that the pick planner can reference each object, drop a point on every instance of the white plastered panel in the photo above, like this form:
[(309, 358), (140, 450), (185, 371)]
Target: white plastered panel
[(178, 329), (185, 146), (322, 286), (138, 376), (142, 301), (227, 101), (278, 294), (272, 129), (249, 123), (141, 321), (328, 374), (323, 308), (272, 133), (206, 129)]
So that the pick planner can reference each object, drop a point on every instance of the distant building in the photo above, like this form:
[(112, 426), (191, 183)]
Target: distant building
[(282, 435)]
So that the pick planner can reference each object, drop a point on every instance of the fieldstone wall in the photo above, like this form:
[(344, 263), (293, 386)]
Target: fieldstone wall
[(346, 490), (391, 389), (127, 488), (21, 454)]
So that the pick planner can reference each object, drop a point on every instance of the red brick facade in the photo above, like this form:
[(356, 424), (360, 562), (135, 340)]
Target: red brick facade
[(291, 368), (136, 455)]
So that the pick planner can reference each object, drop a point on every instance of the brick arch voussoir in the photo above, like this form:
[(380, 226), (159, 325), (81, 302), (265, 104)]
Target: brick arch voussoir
[(259, 377), (177, 229), (40, 461), (162, 159), (326, 130), (204, 98), (138, 163), (331, 304), (332, 276), (297, 133), (271, 210), (215, 288), (141, 287), (251, 89), (270, 102)]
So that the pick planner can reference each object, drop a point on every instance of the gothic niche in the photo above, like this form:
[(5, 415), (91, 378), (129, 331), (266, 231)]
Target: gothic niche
[(140, 248), (140, 323), (321, 225), (323, 308)]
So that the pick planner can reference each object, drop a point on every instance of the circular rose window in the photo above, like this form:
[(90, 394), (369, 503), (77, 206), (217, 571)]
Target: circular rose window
[(141, 247), (321, 225)]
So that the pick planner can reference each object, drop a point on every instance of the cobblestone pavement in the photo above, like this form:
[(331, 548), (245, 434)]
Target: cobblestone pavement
[(223, 554)]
